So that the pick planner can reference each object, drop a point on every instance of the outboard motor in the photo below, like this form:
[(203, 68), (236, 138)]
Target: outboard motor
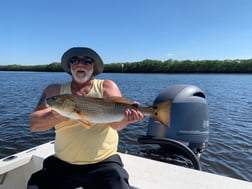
[(187, 137)]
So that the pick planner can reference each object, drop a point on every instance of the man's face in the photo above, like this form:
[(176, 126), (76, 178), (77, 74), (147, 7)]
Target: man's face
[(81, 68)]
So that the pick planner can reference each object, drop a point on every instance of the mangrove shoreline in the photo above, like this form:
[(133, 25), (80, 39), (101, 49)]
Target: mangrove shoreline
[(153, 66)]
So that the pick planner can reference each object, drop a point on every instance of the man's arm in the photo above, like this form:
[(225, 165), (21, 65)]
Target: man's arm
[(131, 115), (44, 118)]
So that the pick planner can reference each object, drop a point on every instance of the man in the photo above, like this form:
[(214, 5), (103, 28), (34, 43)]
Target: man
[(83, 157)]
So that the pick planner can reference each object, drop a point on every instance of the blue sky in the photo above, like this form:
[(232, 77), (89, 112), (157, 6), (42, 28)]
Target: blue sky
[(40, 31)]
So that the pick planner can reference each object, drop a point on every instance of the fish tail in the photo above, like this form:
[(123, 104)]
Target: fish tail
[(162, 112)]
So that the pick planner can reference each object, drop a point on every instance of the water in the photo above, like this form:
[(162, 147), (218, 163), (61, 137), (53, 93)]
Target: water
[(229, 99)]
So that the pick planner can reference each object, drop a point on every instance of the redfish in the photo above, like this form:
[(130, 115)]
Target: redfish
[(89, 110)]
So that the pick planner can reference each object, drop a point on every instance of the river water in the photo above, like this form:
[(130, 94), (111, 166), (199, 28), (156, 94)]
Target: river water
[(229, 98)]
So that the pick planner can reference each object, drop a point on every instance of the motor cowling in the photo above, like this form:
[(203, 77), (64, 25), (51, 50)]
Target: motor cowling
[(189, 123), (189, 117)]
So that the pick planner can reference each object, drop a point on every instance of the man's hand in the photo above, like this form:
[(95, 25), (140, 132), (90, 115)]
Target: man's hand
[(130, 116)]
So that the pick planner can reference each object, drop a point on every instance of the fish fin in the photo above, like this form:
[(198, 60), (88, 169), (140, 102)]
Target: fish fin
[(163, 112), (85, 123), (119, 99)]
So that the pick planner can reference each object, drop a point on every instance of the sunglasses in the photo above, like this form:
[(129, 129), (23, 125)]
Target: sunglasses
[(75, 60)]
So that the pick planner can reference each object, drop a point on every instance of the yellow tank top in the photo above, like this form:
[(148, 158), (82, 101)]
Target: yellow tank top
[(76, 144)]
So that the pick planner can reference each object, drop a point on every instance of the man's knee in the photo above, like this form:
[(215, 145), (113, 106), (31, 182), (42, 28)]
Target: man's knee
[(119, 173)]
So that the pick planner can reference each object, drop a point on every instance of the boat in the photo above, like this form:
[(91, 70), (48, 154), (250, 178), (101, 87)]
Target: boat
[(144, 173), (172, 162)]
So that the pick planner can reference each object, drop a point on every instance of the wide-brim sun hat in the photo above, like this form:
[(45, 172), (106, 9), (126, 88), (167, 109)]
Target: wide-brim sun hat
[(83, 51)]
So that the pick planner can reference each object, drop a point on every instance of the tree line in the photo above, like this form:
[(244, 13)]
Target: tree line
[(153, 66)]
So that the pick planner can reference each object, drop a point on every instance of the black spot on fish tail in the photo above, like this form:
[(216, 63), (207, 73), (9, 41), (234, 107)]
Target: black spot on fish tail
[(155, 110)]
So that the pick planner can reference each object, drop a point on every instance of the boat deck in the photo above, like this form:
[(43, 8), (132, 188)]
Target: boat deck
[(144, 173)]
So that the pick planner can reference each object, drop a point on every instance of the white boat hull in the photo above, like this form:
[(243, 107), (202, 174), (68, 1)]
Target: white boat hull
[(144, 173)]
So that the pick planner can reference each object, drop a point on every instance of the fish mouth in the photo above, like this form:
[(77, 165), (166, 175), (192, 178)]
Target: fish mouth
[(49, 101)]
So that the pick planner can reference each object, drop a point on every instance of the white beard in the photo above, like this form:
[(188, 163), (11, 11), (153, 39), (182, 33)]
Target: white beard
[(82, 77)]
